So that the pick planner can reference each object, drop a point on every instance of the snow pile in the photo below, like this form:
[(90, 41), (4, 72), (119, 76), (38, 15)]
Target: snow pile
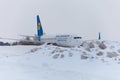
[(89, 50), (93, 60)]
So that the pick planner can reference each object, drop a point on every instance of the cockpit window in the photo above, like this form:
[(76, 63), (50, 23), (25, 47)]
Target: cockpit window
[(77, 37)]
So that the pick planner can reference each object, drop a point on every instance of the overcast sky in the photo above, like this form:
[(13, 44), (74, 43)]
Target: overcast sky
[(83, 17)]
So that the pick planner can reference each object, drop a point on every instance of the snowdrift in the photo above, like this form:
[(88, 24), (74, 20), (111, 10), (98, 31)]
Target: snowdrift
[(92, 60), (104, 51)]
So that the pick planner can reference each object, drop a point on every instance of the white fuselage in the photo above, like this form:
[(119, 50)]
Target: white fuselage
[(62, 40)]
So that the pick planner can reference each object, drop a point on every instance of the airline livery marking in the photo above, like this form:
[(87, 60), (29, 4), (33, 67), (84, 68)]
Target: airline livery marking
[(38, 26)]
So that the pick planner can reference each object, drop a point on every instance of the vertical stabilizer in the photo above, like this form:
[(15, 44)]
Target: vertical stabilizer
[(39, 28), (99, 37)]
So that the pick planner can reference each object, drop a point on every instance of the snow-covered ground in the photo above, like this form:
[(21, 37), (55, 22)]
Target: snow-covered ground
[(93, 60)]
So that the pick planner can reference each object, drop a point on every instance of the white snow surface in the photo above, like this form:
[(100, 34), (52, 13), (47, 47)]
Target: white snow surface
[(49, 62)]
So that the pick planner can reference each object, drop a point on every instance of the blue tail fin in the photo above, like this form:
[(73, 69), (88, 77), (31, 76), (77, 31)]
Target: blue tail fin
[(39, 28), (99, 37)]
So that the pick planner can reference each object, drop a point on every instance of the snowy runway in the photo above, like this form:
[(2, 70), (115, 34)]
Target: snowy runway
[(19, 63)]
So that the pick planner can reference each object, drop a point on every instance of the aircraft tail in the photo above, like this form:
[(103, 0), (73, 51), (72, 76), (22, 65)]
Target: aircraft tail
[(39, 28), (99, 37)]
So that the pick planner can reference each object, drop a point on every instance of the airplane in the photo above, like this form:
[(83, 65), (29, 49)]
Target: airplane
[(60, 39), (65, 40)]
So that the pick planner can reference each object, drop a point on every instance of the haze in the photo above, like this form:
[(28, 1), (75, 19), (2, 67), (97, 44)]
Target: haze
[(83, 17)]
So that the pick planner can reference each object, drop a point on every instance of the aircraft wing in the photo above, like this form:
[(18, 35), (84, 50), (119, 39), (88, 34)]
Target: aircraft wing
[(8, 38), (24, 41), (28, 36)]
